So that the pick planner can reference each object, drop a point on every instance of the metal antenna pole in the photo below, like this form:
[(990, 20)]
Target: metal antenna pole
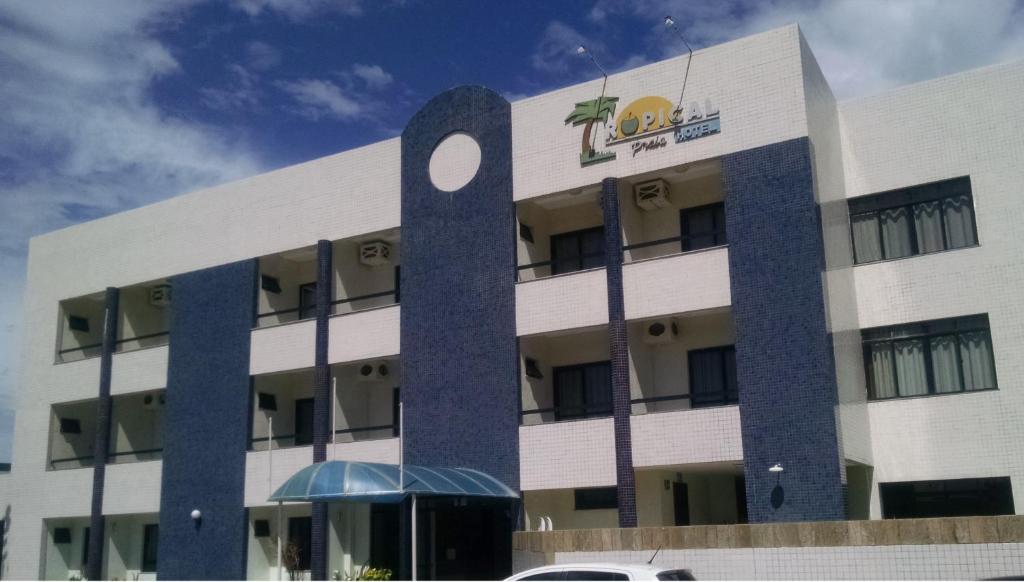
[(582, 50), (672, 24)]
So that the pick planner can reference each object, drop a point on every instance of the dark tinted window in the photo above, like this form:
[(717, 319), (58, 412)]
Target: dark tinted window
[(703, 226), (583, 390), (913, 221), (594, 575), (299, 535), (596, 498), (307, 300), (150, 542), (575, 251), (713, 377), (947, 498), (934, 357), (546, 576), (675, 575), (304, 421)]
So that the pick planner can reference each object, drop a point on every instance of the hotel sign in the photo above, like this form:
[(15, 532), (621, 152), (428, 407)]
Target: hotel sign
[(642, 124)]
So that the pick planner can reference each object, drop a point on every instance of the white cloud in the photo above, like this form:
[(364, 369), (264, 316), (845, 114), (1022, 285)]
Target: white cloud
[(300, 9), (863, 46), (262, 56), (244, 93), (81, 136), (556, 50), (374, 76), (319, 99)]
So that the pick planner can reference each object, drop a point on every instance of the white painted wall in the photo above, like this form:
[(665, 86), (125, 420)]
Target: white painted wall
[(962, 125)]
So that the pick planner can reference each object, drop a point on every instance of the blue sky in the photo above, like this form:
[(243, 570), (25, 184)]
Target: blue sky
[(113, 104)]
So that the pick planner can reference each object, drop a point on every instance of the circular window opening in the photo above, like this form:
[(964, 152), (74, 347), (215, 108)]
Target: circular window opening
[(454, 162)]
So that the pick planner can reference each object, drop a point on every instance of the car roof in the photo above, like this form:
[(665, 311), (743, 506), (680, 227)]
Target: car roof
[(637, 568)]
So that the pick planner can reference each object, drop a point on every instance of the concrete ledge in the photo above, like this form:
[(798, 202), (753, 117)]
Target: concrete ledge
[(819, 534)]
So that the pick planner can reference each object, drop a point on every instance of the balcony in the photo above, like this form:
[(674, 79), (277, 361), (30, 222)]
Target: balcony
[(677, 362), (365, 408), (136, 431), (559, 234), (696, 494), (130, 548), (365, 270), (142, 321)]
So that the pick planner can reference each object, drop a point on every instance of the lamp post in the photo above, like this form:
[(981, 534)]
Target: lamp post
[(583, 51), (670, 23)]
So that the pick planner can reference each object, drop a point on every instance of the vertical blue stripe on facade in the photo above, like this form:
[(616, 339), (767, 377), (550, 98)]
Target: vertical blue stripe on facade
[(207, 422), (101, 445), (460, 371), (321, 402), (619, 352), (784, 360)]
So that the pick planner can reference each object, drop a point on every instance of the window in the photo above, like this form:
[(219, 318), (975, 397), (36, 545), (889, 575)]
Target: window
[(913, 221), (150, 542), (936, 357), (575, 251), (307, 300), (594, 575), (947, 498), (299, 534), (85, 548), (583, 390), (597, 498), (303, 421), (555, 575), (713, 377), (702, 227), (396, 412)]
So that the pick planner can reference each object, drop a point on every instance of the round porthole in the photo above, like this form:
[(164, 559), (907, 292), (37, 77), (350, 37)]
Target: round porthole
[(454, 162)]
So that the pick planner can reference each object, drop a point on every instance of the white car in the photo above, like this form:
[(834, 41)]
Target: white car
[(571, 572)]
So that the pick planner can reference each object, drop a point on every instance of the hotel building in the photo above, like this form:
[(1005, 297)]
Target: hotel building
[(747, 303)]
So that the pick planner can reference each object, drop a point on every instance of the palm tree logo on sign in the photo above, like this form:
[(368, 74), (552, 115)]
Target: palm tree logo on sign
[(588, 113)]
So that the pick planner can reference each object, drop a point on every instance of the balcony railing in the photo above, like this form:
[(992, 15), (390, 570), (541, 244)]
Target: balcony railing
[(114, 458), (303, 313), (117, 345), (391, 428), (569, 413)]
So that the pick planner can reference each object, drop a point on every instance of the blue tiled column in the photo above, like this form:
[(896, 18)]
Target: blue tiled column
[(460, 372), (321, 404), (619, 351), (784, 359), (101, 445), (207, 424)]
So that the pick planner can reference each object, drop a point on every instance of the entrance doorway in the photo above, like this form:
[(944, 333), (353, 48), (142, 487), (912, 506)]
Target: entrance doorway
[(681, 503)]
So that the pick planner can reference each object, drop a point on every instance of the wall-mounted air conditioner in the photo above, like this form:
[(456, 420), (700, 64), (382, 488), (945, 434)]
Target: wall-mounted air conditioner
[(660, 332), (370, 372), (651, 195), (160, 295), (375, 254), (153, 401)]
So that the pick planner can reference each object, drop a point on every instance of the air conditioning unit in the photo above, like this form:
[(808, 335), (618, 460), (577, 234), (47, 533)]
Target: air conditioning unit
[(371, 372), (160, 295), (153, 401), (375, 254), (651, 195), (660, 332)]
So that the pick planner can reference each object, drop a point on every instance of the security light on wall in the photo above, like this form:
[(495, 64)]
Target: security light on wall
[(525, 232), (533, 369)]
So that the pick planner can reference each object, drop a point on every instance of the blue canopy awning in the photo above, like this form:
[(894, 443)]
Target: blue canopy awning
[(379, 483)]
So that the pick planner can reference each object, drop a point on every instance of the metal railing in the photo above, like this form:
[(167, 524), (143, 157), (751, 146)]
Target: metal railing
[(263, 439), (117, 344), (114, 457), (602, 411), (303, 313)]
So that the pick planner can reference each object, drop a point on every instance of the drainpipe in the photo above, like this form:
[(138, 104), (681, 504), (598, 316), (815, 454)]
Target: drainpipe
[(321, 405)]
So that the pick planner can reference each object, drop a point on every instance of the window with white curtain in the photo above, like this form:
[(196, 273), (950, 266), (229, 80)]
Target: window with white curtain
[(913, 221), (936, 357)]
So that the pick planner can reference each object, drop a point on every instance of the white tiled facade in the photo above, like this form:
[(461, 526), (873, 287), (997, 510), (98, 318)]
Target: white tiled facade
[(769, 89)]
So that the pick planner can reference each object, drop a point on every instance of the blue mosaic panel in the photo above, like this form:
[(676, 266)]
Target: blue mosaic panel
[(784, 360), (207, 423), (460, 377)]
